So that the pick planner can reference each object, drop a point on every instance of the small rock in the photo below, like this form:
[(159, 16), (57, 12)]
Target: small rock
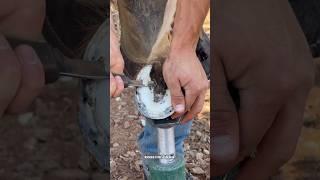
[(137, 167), (189, 165), (25, 119), (198, 133), (124, 178), (126, 125), (118, 98), (132, 116), (131, 153), (199, 156), (192, 153), (205, 151), (113, 164), (115, 144), (197, 170), (116, 120), (143, 122), (187, 146)]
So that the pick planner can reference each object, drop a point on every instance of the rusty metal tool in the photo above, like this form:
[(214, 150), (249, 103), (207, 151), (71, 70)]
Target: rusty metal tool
[(129, 82), (133, 83), (56, 64)]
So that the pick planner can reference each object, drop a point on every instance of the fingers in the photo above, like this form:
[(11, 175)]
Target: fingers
[(195, 109), (225, 128), (117, 64), (113, 85), (32, 79), (9, 74), (116, 59), (120, 86), (116, 85), (279, 143)]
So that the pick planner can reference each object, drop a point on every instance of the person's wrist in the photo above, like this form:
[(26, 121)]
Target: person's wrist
[(179, 51), (180, 45)]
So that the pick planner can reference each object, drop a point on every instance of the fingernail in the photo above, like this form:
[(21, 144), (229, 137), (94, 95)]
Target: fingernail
[(33, 57), (4, 45), (28, 55), (179, 108), (118, 79)]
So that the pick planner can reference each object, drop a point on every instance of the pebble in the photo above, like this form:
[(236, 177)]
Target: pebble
[(131, 153), (113, 164), (198, 133), (25, 119), (118, 98), (205, 151), (197, 170), (187, 146), (132, 116), (115, 144), (123, 178), (126, 125), (199, 156)]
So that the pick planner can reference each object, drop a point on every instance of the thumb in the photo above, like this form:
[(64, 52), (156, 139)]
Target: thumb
[(177, 97), (113, 85), (32, 79)]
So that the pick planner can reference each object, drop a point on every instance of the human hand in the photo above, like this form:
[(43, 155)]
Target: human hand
[(116, 64), (182, 71), (21, 72), (263, 73)]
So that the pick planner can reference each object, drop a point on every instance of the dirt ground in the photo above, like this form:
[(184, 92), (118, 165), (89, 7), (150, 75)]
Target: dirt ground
[(45, 143), (305, 165)]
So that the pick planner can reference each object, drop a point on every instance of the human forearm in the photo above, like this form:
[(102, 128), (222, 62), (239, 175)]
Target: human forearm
[(190, 15)]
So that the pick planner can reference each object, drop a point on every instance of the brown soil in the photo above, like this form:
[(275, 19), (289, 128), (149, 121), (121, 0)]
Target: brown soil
[(305, 165), (46, 144)]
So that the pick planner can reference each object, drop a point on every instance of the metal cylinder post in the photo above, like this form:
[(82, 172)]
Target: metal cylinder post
[(166, 145)]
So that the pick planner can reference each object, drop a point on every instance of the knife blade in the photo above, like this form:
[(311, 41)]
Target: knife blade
[(133, 83), (56, 64)]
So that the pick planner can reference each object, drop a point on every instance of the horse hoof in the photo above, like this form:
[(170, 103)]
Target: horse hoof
[(150, 103)]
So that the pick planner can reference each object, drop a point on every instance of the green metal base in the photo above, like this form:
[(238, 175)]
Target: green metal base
[(172, 171)]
